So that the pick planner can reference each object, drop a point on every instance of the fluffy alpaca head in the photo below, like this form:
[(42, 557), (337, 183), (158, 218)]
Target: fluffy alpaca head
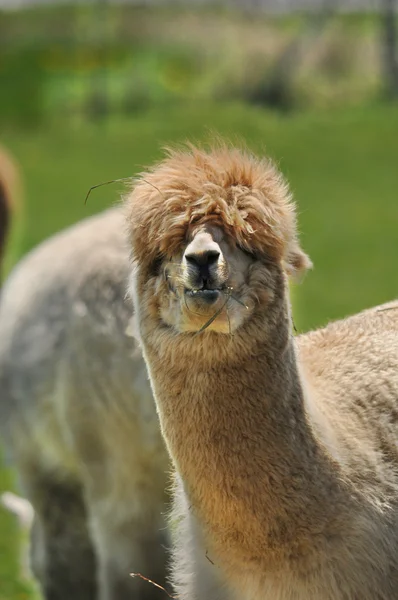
[(211, 233)]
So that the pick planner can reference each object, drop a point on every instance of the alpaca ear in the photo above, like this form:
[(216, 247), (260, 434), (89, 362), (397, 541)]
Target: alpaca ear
[(297, 262)]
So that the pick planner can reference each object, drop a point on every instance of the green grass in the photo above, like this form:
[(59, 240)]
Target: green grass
[(12, 587), (342, 167)]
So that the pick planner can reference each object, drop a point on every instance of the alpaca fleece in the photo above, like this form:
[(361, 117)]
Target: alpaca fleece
[(285, 448), (77, 418)]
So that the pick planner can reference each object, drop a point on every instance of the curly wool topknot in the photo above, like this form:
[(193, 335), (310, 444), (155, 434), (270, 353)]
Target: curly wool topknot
[(232, 188)]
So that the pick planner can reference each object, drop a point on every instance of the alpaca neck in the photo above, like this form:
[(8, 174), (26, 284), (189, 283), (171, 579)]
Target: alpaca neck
[(254, 473)]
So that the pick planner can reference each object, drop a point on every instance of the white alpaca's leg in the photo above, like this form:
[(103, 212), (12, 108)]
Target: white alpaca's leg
[(61, 553), (129, 547), (128, 528), (124, 467)]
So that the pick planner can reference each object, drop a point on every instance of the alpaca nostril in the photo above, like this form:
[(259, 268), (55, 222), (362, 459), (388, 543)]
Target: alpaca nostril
[(203, 259)]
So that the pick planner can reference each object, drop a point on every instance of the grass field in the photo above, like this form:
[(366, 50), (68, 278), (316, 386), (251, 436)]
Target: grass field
[(70, 59), (342, 167)]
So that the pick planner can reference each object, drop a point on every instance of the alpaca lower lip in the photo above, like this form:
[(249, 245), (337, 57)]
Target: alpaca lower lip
[(208, 296)]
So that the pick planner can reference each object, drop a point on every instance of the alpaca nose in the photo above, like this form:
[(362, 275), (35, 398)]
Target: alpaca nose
[(202, 258), (200, 263)]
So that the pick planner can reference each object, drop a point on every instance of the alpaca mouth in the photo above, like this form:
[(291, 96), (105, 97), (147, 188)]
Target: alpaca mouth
[(208, 296)]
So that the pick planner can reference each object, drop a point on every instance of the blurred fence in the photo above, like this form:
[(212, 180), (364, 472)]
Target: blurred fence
[(96, 58)]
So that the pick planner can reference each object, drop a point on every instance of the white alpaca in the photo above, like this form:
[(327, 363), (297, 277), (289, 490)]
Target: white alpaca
[(78, 418)]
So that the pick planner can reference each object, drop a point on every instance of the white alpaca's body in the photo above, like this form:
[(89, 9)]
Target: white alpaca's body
[(78, 417)]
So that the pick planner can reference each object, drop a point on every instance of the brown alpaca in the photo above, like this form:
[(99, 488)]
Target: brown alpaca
[(285, 448), (9, 184)]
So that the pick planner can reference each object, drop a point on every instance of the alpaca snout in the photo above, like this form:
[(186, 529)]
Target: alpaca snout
[(204, 296), (202, 269), (202, 302), (203, 259)]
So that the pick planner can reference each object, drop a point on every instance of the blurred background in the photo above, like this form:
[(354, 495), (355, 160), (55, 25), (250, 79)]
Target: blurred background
[(91, 91)]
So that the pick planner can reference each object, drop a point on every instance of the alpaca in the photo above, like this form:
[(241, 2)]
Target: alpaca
[(285, 448), (78, 418), (9, 192)]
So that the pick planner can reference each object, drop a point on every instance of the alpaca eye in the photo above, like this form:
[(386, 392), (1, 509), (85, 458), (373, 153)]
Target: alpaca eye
[(249, 253), (155, 266)]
